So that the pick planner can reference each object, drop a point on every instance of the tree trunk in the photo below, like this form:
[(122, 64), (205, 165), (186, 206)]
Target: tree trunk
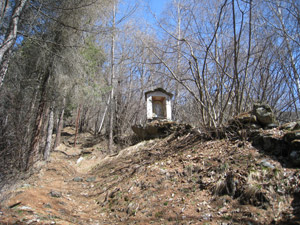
[(111, 121), (104, 114), (34, 146), (178, 62), (44, 131), (77, 124), (235, 66), (49, 135), (10, 38), (3, 8), (60, 125)]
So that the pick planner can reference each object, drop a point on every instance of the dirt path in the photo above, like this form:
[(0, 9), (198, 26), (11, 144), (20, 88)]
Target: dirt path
[(58, 194)]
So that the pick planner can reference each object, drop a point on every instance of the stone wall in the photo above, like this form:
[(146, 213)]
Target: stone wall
[(159, 129), (262, 129)]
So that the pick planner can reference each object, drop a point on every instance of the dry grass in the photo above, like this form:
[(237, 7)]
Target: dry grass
[(175, 180)]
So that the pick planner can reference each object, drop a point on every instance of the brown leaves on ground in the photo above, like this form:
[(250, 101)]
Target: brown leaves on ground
[(176, 180)]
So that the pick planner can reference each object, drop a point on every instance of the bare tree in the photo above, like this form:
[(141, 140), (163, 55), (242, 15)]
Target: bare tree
[(60, 124), (49, 134), (9, 40), (222, 45), (112, 81), (285, 16)]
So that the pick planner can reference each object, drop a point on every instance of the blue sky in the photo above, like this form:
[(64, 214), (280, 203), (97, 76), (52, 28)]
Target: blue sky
[(156, 6)]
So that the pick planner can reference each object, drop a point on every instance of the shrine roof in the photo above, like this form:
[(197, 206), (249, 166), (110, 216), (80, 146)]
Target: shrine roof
[(159, 90)]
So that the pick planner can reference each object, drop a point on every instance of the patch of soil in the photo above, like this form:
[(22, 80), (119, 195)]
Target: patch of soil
[(176, 180)]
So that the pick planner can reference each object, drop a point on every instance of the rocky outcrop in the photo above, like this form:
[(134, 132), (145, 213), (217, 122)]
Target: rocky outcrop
[(244, 120), (292, 137), (159, 129), (262, 129), (282, 142), (270, 143), (264, 115), (292, 126), (260, 117)]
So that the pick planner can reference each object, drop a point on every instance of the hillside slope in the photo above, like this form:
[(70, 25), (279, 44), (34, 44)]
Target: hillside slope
[(181, 179)]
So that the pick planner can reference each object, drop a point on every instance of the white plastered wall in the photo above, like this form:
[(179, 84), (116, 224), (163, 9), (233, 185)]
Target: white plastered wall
[(149, 104)]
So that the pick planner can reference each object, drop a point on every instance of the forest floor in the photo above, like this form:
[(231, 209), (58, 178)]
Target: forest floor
[(175, 180)]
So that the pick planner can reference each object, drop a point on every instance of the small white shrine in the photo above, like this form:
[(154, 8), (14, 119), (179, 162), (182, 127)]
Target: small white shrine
[(159, 104)]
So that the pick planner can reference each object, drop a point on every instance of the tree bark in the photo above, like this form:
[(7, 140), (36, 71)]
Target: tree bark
[(111, 121), (10, 38), (178, 62), (34, 146), (60, 125), (49, 135), (3, 8), (44, 131), (104, 114), (235, 68), (77, 124)]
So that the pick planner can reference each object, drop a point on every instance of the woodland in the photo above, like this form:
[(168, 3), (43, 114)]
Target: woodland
[(89, 63)]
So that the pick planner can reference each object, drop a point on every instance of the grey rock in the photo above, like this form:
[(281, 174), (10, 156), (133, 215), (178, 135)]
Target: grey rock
[(25, 208), (268, 143), (207, 216), (297, 127), (78, 179), (264, 141), (162, 171), (267, 164), (47, 205), (254, 126), (243, 120), (168, 175), (288, 126), (271, 126), (159, 129), (264, 114), (55, 194), (291, 136), (32, 221)]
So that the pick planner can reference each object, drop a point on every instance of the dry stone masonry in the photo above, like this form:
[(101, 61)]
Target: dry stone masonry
[(264, 131), (159, 129)]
